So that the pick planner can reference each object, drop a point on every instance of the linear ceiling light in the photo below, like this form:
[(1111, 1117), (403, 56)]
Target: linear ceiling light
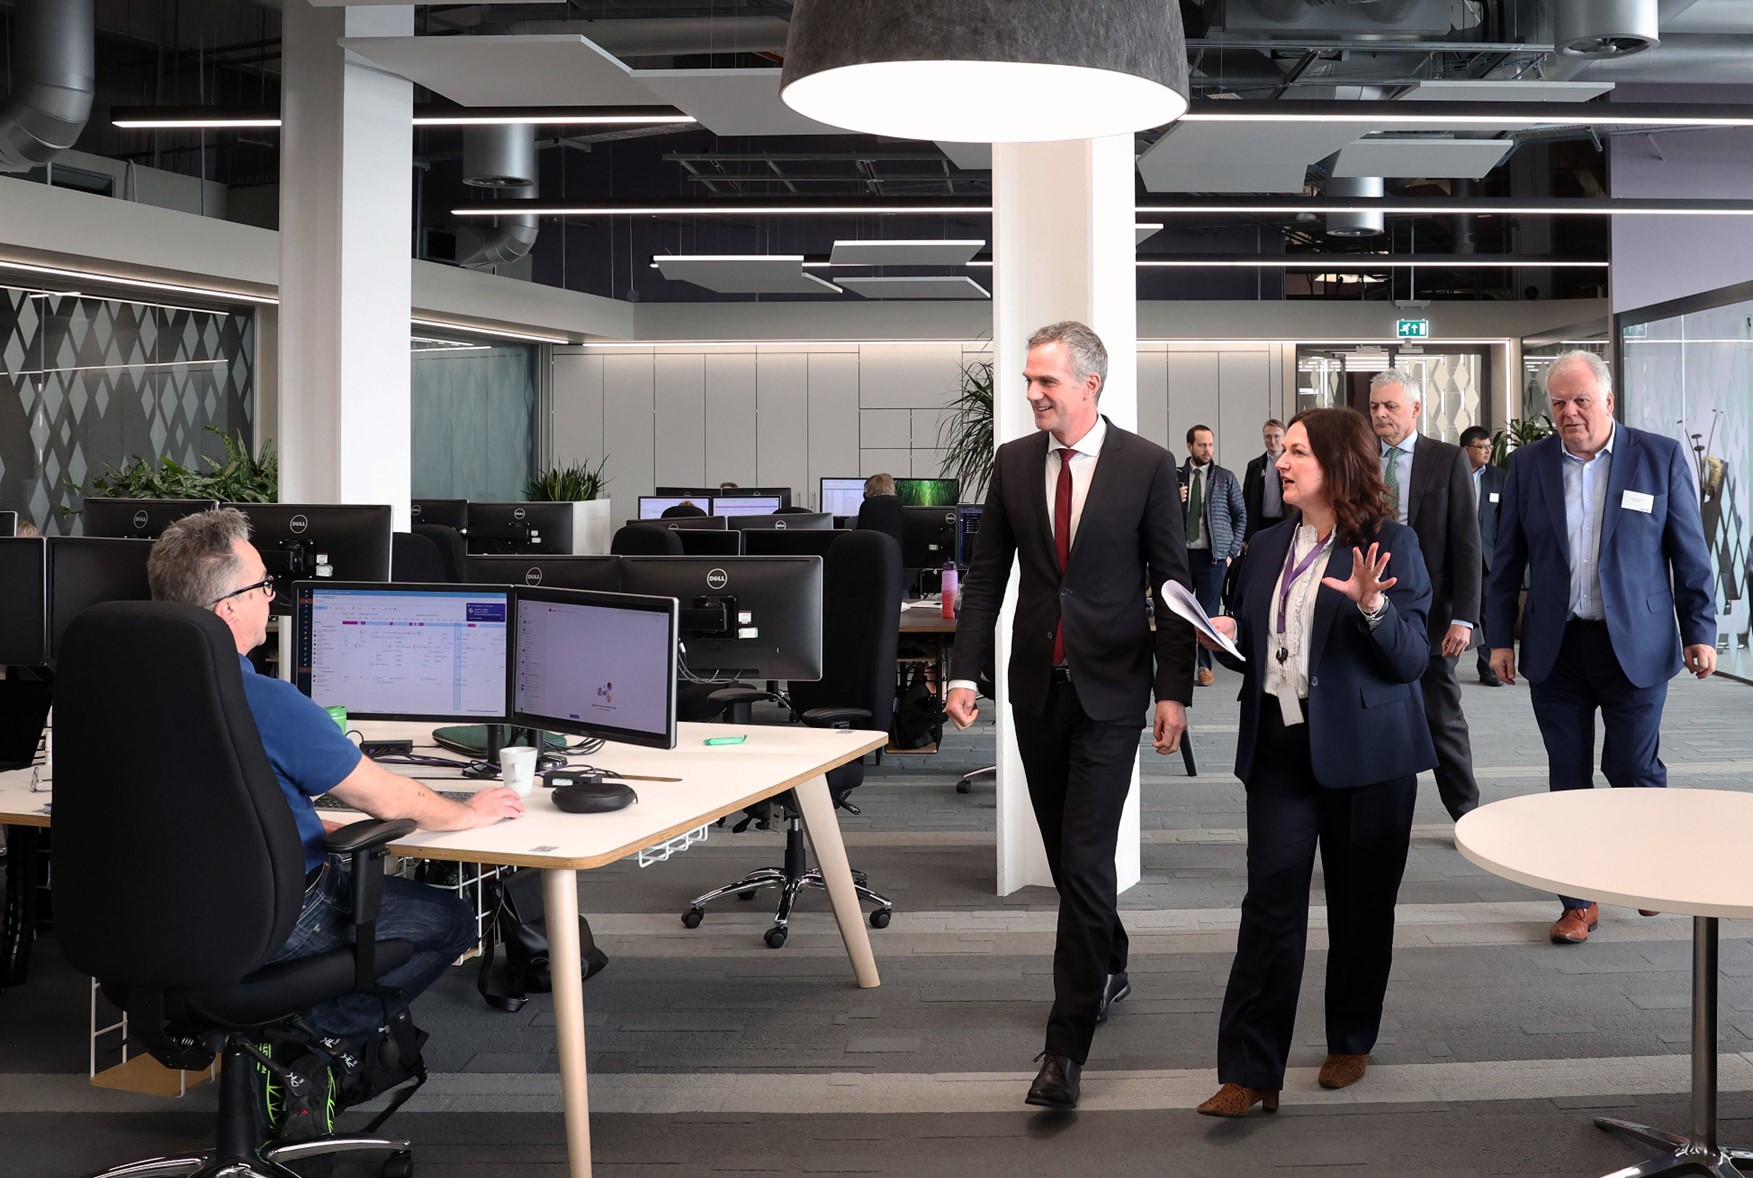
[(985, 71), (495, 332), (162, 118), (560, 208), (1495, 115), (140, 283)]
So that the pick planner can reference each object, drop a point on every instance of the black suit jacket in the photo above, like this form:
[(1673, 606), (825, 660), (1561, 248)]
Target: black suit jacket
[(1254, 495), (1491, 481), (1441, 513), (1128, 537)]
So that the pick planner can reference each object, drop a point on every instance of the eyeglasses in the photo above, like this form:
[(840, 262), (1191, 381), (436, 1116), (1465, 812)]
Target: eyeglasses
[(266, 585)]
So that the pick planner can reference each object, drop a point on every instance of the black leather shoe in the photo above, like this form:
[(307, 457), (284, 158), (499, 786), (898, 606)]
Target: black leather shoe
[(1056, 1083), (1118, 987)]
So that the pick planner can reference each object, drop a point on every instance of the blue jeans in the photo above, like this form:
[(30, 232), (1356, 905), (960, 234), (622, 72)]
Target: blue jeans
[(440, 926)]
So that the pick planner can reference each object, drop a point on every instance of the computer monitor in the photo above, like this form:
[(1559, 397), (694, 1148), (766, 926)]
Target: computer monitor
[(446, 513), (928, 536), (653, 506), (708, 542), (24, 601), (594, 664), (928, 492), (294, 538), (783, 521), (138, 519), (403, 652), (741, 503), (515, 529), (840, 496), (84, 570), (757, 616), (8, 524), (694, 493), (601, 573), (967, 527), (783, 494), (803, 542), (706, 523)]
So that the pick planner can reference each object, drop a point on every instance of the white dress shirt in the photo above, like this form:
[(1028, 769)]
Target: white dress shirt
[(1200, 475)]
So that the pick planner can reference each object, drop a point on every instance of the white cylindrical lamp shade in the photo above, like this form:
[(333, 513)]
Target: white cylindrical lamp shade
[(987, 71)]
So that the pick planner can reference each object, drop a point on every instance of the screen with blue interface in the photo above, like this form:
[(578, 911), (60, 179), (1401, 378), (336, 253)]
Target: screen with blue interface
[(595, 664), (387, 652)]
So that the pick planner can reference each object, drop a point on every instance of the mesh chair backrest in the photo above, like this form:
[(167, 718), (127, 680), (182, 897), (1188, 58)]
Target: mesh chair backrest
[(645, 540), (414, 559), (453, 551), (177, 861), (861, 621)]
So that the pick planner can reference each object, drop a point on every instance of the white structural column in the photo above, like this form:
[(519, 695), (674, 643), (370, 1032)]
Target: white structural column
[(346, 195), (1062, 247)]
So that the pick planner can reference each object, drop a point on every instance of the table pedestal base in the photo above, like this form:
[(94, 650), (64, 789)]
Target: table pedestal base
[(1684, 1155)]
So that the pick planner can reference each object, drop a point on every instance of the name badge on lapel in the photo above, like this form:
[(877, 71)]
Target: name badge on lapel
[(1638, 501), (1495, 496)]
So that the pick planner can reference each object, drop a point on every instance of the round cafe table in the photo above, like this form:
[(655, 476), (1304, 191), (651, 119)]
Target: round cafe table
[(1669, 850)]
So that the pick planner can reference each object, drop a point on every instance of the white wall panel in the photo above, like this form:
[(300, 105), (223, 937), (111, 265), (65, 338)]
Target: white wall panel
[(1245, 379), (885, 429), (926, 426), (1192, 397), (912, 376), (928, 463), (835, 379), (782, 409), (1153, 397), (680, 424), (628, 407), (576, 428), (730, 419), (896, 462)]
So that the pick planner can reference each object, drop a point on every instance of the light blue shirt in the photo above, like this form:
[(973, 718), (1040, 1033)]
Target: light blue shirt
[(1401, 456), (1585, 501)]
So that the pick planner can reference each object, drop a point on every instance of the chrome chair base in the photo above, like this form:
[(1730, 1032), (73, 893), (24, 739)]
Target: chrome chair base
[(267, 1163), (1683, 1156)]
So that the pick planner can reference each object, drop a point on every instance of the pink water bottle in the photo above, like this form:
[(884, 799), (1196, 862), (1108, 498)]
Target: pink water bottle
[(949, 588)]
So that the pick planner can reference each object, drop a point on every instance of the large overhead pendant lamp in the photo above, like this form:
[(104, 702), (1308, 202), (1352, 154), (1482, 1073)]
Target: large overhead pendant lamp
[(987, 71)]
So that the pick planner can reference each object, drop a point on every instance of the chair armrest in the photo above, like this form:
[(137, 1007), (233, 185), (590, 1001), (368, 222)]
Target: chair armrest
[(364, 842), (739, 695), (834, 717), (367, 833)]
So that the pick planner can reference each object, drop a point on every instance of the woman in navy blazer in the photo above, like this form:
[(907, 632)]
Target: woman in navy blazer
[(1330, 614)]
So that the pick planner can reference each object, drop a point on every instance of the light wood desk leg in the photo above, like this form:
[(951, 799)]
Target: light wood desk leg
[(823, 828), (560, 891)]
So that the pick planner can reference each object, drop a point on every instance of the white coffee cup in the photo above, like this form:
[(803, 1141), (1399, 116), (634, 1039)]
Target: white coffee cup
[(517, 769)]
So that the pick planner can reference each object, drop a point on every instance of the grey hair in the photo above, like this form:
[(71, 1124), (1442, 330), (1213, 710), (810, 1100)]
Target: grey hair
[(879, 484), (194, 561), (1590, 360), (1389, 376), (1083, 345)]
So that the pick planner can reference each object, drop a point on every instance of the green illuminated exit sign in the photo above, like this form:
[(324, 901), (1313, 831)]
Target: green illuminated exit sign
[(1412, 328)]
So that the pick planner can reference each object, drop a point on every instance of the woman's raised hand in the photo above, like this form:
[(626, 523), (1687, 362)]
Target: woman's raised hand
[(1366, 583)]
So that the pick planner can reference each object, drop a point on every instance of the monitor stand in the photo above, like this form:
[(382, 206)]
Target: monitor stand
[(501, 736)]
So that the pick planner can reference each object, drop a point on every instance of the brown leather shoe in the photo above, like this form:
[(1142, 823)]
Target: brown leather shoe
[(1647, 912), (1205, 677), (1342, 1071), (1234, 1100), (1574, 927)]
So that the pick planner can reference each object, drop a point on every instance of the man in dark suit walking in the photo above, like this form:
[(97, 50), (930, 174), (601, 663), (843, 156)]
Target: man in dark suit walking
[(1604, 520), (1431, 491), (1215, 521), (1262, 489), (1087, 511), (1488, 481)]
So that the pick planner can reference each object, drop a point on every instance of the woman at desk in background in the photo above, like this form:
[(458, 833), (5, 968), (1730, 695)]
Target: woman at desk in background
[(1332, 737)]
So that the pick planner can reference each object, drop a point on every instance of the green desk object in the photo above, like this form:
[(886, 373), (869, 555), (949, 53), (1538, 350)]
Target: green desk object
[(471, 739)]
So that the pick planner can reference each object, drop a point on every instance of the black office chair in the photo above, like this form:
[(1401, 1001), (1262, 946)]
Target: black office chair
[(415, 560), (861, 594), (179, 872), (453, 550), (682, 511), (791, 511), (645, 540), (881, 513)]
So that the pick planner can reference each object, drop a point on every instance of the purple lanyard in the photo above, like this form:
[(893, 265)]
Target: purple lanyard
[(1291, 574)]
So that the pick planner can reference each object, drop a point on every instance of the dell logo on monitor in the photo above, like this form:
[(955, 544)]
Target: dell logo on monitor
[(779, 525), (299, 524), (532, 575), (517, 514), (140, 519), (717, 579)]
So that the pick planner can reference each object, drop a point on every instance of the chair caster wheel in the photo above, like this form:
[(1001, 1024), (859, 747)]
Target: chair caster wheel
[(692, 917), (775, 937), (963, 787), (399, 1165), (745, 897), (880, 918)]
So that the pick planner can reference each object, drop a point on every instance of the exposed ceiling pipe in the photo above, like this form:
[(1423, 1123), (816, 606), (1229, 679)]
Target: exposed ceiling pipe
[(54, 76), (1365, 224), (1711, 16), (504, 159), (1681, 59)]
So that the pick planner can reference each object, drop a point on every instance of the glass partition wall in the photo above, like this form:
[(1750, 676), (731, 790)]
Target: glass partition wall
[(1451, 381)]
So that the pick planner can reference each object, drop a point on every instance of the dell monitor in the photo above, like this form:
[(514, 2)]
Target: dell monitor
[(519, 529), (697, 494), (24, 601), (841, 496), (696, 523), (754, 616), (297, 539), (84, 570), (786, 521), (967, 527), (601, 573), (783, 494), (741, 503), (138, 519), (403, 652), (446, 513), (653, 506), (707, 542), (928, 492), (802, 542), (8, 524), (594, 665), (928, 536)]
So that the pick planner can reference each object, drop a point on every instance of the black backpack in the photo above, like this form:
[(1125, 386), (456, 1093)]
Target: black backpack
[(918, 714)]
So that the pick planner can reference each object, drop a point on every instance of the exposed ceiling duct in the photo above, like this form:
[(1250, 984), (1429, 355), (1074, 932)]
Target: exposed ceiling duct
[(502, 158), (1605, 28), (1365, 224), (54, 76)]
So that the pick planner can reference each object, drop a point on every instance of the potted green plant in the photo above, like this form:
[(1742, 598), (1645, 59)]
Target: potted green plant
[(241, 477), (581, 485), (1519, 431), (964, 434)]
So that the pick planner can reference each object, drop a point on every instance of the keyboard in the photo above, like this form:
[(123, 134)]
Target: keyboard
[(326, 802)]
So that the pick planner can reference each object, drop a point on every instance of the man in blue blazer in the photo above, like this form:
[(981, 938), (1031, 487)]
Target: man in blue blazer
[(1604, 520), (1488, 480)]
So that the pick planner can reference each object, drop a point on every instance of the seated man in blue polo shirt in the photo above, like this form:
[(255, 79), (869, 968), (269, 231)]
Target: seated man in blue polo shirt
[(207, 560)]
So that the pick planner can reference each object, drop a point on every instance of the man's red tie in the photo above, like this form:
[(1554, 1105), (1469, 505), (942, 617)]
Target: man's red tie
[(1062, 539)]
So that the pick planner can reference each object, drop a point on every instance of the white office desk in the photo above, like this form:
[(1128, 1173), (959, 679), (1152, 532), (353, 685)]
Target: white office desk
[(1668, 850), (716, 781)]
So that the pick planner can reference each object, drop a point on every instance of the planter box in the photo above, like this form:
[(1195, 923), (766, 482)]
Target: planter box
[(592, 527)]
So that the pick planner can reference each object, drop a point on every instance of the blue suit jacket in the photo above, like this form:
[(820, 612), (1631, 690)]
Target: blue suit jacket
[(1642, 554), (1365, 711)]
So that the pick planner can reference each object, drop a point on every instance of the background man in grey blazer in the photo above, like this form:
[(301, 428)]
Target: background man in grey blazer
[(1086, 511), (1216, 521), (1488, 481), (1431, 486)]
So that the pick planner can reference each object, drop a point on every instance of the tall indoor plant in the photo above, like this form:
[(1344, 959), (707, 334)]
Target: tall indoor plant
[(964, 434)]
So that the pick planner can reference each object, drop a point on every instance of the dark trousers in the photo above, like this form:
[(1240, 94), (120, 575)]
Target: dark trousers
[(1079, 772), (1448, 732), (1207, 587), (1363, 836), (1586, 677)]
